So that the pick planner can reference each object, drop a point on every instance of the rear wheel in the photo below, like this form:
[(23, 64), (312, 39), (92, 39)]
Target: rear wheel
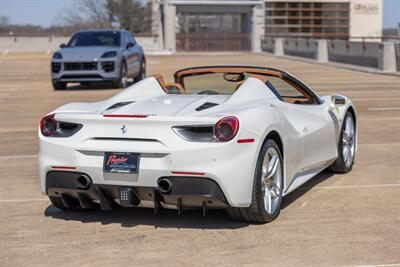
[(142, 73), (267, 188), (59, 85), (346, 147)]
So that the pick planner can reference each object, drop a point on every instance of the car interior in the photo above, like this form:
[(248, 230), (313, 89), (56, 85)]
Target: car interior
[(226, 80)]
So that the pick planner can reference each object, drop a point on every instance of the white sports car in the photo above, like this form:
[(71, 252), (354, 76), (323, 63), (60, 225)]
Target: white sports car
[(230, 137)]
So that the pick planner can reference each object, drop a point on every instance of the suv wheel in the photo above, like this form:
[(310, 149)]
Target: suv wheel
[(122, 81), (59, 85), (142, 73)]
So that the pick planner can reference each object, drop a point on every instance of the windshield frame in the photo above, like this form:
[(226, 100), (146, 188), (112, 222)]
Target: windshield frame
[(259, 71)]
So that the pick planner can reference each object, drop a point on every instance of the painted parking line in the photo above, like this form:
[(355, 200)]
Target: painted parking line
[(384, 109), (348, 186), (23, 200), (379, 265), (18, 157)]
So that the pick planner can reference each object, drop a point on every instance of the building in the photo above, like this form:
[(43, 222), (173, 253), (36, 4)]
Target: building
[(324, 18), (211, 25), (237, 25)]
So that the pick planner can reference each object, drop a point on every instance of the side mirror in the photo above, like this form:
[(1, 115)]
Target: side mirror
[(62, 45), (337, 101), (129, 45)]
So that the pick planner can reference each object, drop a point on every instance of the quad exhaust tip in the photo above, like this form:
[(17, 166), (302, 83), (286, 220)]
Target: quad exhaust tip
[(83, 181), (164, 186)]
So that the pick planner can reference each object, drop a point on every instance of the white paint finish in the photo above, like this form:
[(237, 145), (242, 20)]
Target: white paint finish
[(252, 104)]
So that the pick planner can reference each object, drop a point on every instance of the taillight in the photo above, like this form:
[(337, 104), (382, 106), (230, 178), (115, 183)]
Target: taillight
[(226, 128), (50, 127)]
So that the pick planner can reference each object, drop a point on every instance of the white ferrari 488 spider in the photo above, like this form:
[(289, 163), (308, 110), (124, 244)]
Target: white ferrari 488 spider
[(221, 137)]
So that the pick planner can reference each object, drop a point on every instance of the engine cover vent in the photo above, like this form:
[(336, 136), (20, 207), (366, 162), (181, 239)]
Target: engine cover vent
[(120, 104), (206, 106)]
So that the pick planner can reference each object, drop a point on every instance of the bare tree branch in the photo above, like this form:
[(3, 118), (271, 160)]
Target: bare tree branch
[(133, 15)]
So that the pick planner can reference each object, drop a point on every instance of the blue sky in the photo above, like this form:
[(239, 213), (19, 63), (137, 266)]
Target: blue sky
[(48, 12)]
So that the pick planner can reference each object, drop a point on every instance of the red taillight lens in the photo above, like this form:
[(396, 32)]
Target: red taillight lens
[(48, 125), (226, 128)]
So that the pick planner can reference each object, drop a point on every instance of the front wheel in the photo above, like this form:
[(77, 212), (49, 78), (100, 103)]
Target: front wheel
[(346, 147), (59, 85), (267, 188), (122, 81)]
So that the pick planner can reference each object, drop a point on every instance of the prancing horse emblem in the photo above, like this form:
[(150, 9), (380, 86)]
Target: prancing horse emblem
[(124, 129)]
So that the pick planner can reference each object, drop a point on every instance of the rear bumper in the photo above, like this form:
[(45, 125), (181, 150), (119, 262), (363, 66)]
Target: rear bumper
[(186, 192), (230, 164)]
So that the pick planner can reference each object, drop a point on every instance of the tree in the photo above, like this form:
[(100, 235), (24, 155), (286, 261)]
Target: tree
[(4, 21), (132, 15)]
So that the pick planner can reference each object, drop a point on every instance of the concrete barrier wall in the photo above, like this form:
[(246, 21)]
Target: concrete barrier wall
[(356, 53), (384, 56), (45, 44), (300, 47), (268, 45)]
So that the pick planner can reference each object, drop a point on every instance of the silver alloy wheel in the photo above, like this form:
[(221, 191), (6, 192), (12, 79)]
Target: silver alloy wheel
[(271, 180), (348, 140)]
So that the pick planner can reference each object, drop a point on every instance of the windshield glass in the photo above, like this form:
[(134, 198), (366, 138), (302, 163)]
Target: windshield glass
[(213, 83), (101, 38)]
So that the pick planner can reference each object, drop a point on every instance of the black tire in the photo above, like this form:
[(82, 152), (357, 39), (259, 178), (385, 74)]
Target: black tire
[(86, 84), (142, 73), (122, 81), (340, 166), (59, 85), (256, 213)]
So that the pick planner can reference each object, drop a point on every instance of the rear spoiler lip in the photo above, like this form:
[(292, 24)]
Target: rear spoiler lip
[(144, 118), (137, 116)]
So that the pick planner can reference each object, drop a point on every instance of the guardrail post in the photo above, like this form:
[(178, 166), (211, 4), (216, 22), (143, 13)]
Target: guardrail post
[(322, 51), (278, 47), (387, 57)]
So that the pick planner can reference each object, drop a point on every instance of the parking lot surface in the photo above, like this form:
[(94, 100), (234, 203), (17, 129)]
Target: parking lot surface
[(351, 219)]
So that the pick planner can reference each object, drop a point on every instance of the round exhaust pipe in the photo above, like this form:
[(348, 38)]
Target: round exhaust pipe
[(83, 181), (164, 186)]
